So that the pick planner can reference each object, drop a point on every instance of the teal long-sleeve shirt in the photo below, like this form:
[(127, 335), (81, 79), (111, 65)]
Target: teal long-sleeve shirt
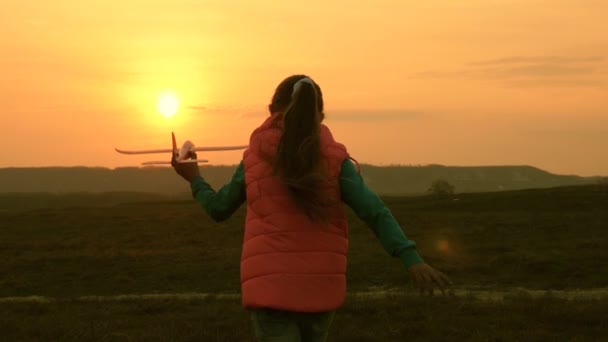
[(365, 203)]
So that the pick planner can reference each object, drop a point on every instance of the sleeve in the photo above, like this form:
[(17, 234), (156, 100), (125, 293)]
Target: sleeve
[(370, 208), (222, 204)]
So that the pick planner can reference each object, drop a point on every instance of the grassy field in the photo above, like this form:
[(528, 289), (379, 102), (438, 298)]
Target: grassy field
[(550, 239), (392, 318)]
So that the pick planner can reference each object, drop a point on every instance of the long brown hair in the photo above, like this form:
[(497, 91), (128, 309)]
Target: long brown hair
[(298, 161)]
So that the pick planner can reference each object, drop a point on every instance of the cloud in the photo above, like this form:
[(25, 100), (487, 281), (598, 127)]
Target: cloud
[(443, 74), (563, 82), (35, 22), (530, 70), (374, 116), (238, 112), (66, 70), (198, 108), (251, 112), (545, 70), (538, 59)]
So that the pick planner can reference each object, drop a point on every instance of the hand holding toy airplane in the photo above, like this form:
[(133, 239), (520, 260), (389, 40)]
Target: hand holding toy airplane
[(183, 153)]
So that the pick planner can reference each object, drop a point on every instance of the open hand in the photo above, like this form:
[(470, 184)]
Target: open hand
[(427, 278), (188, 171)]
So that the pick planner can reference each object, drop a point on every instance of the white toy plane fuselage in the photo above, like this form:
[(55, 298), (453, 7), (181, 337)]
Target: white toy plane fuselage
[(182, 154)]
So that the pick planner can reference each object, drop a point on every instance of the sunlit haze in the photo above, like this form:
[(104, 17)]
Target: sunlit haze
[(168, 104), (472, 82)]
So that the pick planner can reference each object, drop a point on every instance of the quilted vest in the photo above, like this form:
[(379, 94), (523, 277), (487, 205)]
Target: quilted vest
[(289, 262)]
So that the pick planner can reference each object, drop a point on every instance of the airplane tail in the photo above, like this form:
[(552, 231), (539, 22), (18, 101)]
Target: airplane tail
[(175, 151)]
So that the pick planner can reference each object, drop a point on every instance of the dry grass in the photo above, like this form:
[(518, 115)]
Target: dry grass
[(393, 318), (542, 240)]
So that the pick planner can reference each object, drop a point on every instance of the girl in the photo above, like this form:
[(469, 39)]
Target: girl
[(294, 177)]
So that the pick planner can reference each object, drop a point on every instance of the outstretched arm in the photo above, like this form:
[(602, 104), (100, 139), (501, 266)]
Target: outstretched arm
[(219, 205), (222, 204), (370, 208)]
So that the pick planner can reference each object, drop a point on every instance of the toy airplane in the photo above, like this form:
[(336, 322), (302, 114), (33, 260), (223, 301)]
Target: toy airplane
[(183, 153)]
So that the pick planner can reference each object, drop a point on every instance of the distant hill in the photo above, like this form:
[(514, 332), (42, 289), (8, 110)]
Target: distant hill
[(400, 180), (386, 180)]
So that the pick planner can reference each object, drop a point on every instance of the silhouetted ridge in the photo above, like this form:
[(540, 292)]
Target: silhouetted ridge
[(386, 180)]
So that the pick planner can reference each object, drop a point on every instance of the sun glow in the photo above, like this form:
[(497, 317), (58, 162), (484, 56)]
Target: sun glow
[(168, 104)]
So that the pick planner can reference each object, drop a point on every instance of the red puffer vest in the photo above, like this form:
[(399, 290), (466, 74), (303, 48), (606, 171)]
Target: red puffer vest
[(288, 262)]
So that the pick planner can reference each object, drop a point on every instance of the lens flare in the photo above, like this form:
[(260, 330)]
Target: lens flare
[(443, 246)]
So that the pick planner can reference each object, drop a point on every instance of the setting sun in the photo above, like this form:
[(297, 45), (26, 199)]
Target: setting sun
[(168, 104)]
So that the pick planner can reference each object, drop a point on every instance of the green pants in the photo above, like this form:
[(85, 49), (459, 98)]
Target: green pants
[(285, 326)]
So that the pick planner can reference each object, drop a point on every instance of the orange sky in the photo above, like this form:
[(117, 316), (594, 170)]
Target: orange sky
[(484, 82)]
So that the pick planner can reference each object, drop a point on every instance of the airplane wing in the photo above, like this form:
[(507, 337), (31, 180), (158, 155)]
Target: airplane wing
[(164, 162), (220, 148), (167, 150), (176, 151), (195, 149)]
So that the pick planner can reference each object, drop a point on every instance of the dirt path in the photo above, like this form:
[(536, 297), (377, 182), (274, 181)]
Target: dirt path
[(479, 294)]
